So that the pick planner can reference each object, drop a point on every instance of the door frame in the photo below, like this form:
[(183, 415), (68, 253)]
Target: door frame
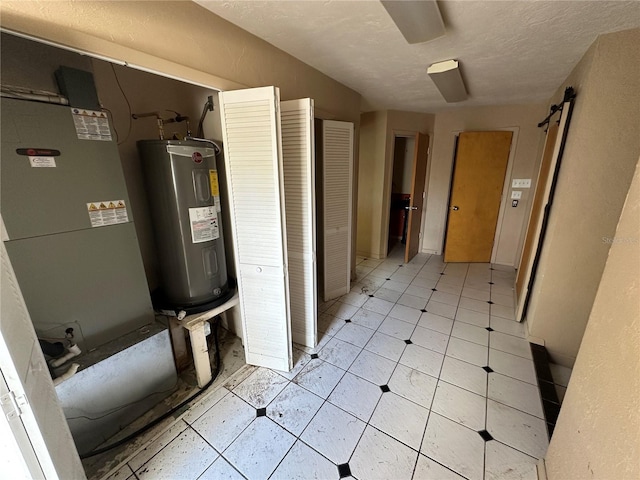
[(505, 187), (386, 198)]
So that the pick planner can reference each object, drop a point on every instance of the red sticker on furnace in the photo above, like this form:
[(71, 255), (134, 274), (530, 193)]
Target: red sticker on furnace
[(196, 157)]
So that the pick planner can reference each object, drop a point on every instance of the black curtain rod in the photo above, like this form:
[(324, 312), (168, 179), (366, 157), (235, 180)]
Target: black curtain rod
[(569, 94)]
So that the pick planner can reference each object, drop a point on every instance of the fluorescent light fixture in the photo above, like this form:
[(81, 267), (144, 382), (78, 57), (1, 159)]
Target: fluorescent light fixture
[(418, 21), (446, 76)]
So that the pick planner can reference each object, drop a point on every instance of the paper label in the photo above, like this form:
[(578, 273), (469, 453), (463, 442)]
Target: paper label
[(91, 124), (42, 162), (215, 188), (109, 212), (204, 224)]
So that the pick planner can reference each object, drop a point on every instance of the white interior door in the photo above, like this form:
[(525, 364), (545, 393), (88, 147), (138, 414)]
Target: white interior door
[(252, 147), (337, 167), (299, 189)]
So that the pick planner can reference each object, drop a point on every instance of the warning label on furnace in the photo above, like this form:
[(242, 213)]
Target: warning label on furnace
[(109, 212), (91, 124), (204, 224)]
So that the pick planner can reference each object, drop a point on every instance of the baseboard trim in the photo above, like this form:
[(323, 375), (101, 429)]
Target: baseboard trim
[(541, 469)]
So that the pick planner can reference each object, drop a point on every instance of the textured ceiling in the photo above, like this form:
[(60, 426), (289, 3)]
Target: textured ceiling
[(511, 52)]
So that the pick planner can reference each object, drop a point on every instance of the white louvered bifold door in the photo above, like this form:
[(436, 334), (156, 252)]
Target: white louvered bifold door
[(337, 153), (251, 136), (299, 191)]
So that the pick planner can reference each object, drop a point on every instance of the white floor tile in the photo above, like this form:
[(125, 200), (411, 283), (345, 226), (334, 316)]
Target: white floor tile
[(516, 394), (158, 444), (225, 421), (427, 469), (401, 419), (356, 396), (354, 334), (339, 353), (239, 377), (123, 473), (464, 375), (460, 405), (430, 339), (319, 377), (517, 429), (449, 289), (396, 328), (209, 400), (420, 292), (503, 289), (341, 310), (373, 367), (475, 305), (452, 279), (561, 375), (406, 314), (505, 300), (387, 294), (413, 385), (334, 433), (468, 352), (481, 295), (261, 387), (300, 359), (423, 282), (356, 299), (294, 408), (367, 318), (304, 463), (259, 449), (436, 322), (379, 456), (473, 318), (441, 309), (512, 366), (505, 463), (386, 346), (329, 324), (221, 470), (372, 262), (378, 305), (443, 297), (455, 446), (402, 276), (396, 285), (412, 301), (323, 306), (478, 284), (504, 312), (510, 344), (187, 456), (422, 359), (470, 333), (510, 327)]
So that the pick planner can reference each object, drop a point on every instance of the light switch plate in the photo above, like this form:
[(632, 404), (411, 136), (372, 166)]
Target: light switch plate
[(521, 183), (516, 194)]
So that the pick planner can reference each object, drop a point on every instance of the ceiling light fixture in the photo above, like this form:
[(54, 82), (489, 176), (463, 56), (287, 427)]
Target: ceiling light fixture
[(418, 21), (446, 76)]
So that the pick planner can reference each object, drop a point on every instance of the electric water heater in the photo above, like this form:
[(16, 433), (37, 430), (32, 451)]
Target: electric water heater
[(184, 199)]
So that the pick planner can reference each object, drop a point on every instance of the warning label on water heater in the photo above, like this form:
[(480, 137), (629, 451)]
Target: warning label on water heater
[(204, 224)]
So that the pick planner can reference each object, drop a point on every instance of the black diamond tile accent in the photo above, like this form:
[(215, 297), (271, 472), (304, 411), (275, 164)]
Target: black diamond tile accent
[(491, 268), (489, 329), (486, 436), (488, 369), (366, 259), (489, 302), (314, 355), (344, 470), (261, 412), (385, 388), (441, 273), (401, 266), (387, 279), (408, 342), (347, 321), (434, 289), (371, 295), (422, 310), (491, 283)]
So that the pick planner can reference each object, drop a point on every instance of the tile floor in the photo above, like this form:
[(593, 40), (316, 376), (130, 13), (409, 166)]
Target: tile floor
[(421, 372)]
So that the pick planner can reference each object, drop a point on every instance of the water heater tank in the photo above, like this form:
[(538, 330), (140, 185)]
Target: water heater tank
[(184, 198)]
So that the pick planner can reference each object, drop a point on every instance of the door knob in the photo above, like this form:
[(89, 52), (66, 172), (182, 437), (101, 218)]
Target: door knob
[(455, 208)]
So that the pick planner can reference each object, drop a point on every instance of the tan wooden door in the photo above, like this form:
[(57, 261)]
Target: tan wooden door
[(478, 178), (537, 208), (418, 178)]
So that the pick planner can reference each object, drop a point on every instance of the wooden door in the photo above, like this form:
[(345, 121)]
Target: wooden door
[(480, 166), (418, 178), (539, 200), (255, 188)]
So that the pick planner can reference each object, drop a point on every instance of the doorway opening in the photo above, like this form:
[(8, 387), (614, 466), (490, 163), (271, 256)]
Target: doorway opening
[(403, 155)]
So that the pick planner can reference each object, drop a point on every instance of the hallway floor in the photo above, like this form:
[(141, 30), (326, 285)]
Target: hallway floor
[(420, 372)]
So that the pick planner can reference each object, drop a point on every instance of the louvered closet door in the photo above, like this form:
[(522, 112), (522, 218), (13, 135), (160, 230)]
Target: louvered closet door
[(251, 135), (337, 149), (299, 179)]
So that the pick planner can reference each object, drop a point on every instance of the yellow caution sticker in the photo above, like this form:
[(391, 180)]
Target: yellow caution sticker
[(213, 180)]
